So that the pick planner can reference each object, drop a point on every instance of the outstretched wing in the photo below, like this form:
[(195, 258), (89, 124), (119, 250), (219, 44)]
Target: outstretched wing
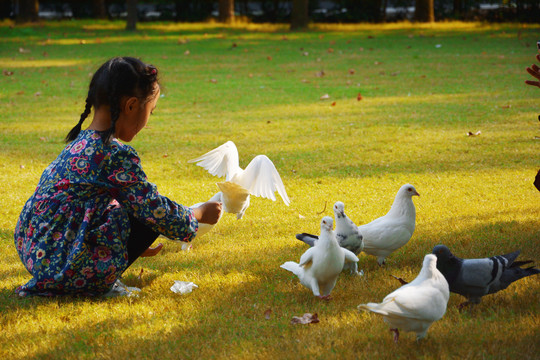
[(222, 161), (262, 179)]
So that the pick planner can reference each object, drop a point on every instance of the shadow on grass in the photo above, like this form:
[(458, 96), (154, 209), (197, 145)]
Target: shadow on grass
[(232, 321)]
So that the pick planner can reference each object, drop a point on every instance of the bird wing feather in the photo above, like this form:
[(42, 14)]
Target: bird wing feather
[(221, 161), (262, 179)]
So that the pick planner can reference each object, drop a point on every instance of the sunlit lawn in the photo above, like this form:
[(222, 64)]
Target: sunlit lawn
[(423, 89)]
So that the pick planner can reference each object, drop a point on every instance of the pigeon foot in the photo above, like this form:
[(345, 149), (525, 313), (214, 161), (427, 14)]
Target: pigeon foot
[(325, 297)]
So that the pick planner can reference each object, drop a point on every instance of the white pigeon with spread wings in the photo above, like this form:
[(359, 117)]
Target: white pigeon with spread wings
[(320, 265), (416, 305), (259, 178), (388, 233)]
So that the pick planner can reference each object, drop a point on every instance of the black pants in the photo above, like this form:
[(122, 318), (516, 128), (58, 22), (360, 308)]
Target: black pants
[(140, 239)]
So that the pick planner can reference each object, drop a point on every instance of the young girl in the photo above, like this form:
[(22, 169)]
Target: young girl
[(93, 211)]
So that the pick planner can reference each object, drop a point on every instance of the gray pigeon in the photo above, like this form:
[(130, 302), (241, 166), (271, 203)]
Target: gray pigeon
[(474, 278), (320, 265), (347, 235)]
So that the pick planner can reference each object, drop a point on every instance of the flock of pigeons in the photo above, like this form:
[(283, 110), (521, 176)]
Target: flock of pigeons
[(412, 307)]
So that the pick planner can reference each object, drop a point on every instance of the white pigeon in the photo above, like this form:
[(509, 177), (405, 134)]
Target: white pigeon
[(321, 264), (347, 234), (416, 305), (388, 233), (259, 178)]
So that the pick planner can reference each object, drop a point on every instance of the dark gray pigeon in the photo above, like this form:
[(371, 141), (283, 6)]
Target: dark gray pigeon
[(474, 278)]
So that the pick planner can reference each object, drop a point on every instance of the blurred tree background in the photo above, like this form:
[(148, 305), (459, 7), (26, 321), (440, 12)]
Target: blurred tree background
[(296, 12)]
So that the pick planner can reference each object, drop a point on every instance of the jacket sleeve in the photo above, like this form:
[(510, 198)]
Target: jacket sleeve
[(128, 184)]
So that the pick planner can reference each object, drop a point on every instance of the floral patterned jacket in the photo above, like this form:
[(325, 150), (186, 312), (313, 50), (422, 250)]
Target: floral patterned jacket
[(72, 233)]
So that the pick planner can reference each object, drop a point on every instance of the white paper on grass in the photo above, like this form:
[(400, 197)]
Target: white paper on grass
[(183, 287)]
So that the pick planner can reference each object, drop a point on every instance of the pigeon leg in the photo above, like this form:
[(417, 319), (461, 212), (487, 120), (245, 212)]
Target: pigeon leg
[(463, 305), (396, 334), (325, 297)]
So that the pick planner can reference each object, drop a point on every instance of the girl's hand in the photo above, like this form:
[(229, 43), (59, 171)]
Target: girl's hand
[(209, 212)]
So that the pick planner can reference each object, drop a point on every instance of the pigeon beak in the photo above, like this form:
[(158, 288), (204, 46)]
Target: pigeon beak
[(416, 193)]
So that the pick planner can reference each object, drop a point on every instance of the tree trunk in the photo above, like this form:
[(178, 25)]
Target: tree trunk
[(226, 11), (424, 11), (99, 9), (458, 8), (131, 24), (299, 14), (28, 11)]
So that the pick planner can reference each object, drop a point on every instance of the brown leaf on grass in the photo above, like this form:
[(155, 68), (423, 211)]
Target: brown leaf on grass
[(359, 97), (269, 58), (325, 97), (333, 104), (182, 41), (213, 81), (470, 133), (284, 37), (37, 93), (330, 50), (307, 318), (7, 72), (165, 155), (19, 92), (234, 45), (186, 52), (140, 274), (351, 71), (506, 106), (320, 73), (267, 314)]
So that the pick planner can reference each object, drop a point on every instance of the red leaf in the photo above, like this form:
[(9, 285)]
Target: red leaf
[(359, 97), (333, 104)]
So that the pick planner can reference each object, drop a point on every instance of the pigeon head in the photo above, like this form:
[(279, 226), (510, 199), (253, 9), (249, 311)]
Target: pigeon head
[(339, 209), (327, 223), (442, 253), (430, 262), (408, 190)]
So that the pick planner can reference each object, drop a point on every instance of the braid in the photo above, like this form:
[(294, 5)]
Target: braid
[(116, 79), (72, 135)]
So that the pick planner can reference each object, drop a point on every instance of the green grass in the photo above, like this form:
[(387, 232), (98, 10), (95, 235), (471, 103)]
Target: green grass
[(419, 101)]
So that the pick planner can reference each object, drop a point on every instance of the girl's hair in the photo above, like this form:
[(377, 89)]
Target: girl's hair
[(117, 78)]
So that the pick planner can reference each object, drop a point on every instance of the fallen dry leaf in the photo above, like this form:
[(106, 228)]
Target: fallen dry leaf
[(333, 104), (325, 97), (330, 50), (7, 72), (213, 81), (307, 318), (320, 74), (351, 71), (186, 52), (267, 314), (269, 58), (359, 97), (506, 106), (474, 134)]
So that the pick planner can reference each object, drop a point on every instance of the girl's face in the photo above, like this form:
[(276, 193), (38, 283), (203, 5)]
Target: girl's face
[(135, 115)]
